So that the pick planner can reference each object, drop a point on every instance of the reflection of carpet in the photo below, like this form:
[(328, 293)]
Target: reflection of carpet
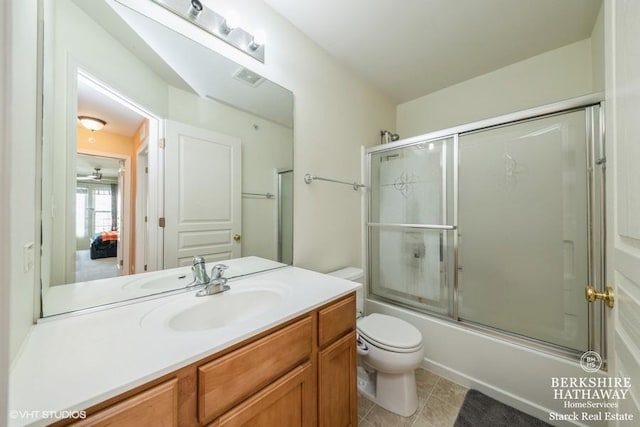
[(93, 269), (479, 410)]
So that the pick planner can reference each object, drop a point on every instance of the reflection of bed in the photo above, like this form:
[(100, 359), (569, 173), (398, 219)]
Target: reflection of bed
[(104, 245)]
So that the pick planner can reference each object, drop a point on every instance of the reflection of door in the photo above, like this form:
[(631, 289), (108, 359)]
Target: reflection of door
[(202, 195)]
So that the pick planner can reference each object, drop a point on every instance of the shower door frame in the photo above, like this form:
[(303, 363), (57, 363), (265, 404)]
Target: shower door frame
[(596, 218)]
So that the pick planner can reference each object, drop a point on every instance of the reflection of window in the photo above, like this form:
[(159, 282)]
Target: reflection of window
[(103, 218), (94, 209)]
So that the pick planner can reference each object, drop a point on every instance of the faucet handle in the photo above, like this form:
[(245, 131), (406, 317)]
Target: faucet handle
[(218, 270)]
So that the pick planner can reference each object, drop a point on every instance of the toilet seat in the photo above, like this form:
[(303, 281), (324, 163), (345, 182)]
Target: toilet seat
[(390, 333)]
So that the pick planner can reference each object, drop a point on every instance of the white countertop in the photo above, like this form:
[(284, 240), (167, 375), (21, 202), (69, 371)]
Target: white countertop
[(72, 363), (72, 297)]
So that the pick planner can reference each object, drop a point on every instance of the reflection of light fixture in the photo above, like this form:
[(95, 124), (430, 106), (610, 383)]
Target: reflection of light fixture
[(229, 24), (258, 40), (91, 123), (195, 8)]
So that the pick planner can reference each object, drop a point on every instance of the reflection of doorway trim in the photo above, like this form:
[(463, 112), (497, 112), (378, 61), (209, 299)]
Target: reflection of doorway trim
[(279, 212), (124, 234), (142, 207), (155, 188)]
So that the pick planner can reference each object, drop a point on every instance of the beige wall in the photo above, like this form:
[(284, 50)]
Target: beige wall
[(549, 77), (597, 52)]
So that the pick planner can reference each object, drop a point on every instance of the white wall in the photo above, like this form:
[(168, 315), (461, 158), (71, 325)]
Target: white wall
[(21, 96), (5, 154), (264, 149), (549, 77), (334, 114)]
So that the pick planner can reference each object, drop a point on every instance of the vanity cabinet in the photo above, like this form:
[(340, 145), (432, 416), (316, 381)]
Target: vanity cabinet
[(156, 406), (337, 370), (298, 374), (228, 380)]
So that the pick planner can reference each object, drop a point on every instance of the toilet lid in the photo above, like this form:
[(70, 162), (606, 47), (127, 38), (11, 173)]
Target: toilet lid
[(390, 331)]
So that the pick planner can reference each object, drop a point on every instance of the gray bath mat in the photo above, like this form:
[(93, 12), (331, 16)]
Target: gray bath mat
[(479, 410)]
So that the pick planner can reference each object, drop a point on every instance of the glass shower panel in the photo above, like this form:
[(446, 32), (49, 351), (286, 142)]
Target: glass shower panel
[(409, 184), (410, 209), (523, 242), (411, 267)]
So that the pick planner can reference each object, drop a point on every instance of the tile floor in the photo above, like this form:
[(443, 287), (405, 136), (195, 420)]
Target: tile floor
[(439, 401)]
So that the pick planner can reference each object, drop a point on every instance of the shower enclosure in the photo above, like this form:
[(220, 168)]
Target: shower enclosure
[(497, 225)]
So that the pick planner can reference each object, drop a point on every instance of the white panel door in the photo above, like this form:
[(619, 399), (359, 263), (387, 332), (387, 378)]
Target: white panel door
[(202, 195), (623, 136)]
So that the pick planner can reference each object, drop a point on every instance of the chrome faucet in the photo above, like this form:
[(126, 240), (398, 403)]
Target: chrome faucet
[(199, 272), (217, 283)]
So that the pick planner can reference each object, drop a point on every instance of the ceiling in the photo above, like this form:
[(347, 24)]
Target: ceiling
[(410, 48), (120, 119), (86, 166)]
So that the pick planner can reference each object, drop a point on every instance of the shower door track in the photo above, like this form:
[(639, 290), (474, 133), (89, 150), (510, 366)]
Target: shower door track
[(595, 275)]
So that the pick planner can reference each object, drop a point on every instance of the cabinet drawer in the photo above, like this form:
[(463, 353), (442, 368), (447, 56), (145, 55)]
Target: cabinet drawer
[(157, 406), (336, 320), (228, 380), (289, 402)]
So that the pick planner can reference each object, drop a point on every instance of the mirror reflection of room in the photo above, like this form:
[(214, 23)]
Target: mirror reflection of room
[(109, 134), (202, 143)]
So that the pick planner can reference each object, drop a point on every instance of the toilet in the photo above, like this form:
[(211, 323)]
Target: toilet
[(389, 352)]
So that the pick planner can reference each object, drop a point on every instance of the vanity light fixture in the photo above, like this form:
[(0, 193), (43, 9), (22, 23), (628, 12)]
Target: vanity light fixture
[(91, 123), (226, 29), (258, 40), (229, 24)]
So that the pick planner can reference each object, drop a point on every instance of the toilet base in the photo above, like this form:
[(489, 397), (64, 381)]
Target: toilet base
[(396, 393)]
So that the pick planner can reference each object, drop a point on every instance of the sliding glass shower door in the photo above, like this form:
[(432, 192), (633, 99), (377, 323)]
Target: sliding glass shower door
[(499, 227), (410, 231), (523, 227)]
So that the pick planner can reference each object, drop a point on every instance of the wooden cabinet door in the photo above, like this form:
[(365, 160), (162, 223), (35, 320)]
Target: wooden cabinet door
[(288, 402), (227, 381), (337, 393), (157, 407)]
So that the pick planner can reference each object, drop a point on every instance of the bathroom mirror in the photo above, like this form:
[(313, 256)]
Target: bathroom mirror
[(155, 149)]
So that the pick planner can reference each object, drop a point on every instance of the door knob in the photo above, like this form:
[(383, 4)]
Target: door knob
[(607, 296), (237, 237)]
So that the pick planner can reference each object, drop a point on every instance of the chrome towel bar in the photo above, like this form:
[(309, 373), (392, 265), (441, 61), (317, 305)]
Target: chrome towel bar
[(308, 178), (265, 195)]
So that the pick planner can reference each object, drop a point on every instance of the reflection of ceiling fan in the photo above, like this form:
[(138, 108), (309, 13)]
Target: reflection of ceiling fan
[(96, 176)]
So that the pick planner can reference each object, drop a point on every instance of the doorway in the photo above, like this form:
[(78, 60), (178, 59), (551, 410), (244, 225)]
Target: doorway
[(99, 213)]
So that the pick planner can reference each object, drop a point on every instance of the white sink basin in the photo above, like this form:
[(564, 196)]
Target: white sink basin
[(241, 303)]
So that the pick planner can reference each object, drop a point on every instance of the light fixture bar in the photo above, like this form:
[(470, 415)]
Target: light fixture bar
[(195, 12)]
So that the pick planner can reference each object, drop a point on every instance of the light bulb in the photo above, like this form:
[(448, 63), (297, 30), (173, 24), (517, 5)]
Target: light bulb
[(259, 39)]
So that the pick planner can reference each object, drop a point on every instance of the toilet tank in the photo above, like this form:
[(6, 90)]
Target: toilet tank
[(354, 274)]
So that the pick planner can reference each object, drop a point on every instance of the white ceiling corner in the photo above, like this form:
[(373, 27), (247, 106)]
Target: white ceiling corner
[(410, 48)]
